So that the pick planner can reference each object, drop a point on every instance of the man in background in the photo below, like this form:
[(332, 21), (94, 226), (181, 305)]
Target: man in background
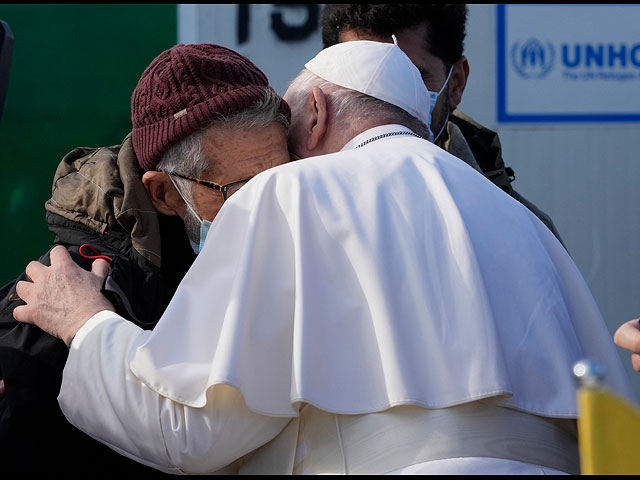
[(432, 36)]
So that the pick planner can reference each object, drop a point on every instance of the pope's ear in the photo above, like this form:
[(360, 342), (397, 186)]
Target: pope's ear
[(318, 125), (164, 195)]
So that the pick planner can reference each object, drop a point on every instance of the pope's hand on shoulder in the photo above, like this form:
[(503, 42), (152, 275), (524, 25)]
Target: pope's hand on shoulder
[(628, 337), (61, 298)]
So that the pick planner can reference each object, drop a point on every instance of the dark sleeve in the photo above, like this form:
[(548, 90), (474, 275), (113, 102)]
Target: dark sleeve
[(35, 438), (31, 364)]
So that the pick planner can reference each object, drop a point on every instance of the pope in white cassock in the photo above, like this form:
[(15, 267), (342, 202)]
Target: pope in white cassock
[(379, 308)]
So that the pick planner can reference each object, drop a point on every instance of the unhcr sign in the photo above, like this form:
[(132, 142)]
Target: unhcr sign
[(568, 63)]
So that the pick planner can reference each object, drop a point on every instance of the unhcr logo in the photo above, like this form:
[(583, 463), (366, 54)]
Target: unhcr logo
[(532, 59)]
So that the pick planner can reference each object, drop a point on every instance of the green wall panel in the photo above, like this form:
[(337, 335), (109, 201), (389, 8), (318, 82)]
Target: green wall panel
[(73, 70)]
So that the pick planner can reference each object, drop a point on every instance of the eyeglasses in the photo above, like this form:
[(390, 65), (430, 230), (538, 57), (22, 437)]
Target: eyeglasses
[(227, 189)]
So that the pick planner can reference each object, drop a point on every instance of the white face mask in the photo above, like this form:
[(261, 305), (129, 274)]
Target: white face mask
[(433, 97), (204, 224)]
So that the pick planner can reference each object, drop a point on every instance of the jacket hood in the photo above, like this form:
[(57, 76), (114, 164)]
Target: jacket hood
[(102, 189)]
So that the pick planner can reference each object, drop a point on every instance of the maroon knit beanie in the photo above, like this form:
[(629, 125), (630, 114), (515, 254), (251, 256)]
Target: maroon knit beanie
[(184, 89)]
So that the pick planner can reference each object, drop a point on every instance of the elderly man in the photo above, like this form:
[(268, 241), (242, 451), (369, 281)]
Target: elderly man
[(204, 122), (380, 308), (432, 36)]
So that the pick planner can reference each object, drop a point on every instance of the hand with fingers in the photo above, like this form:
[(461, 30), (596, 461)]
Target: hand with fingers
[(61, 298), (628, 337)]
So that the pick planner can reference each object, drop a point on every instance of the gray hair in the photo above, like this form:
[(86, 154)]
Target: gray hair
[(352, 109), (187, 157)]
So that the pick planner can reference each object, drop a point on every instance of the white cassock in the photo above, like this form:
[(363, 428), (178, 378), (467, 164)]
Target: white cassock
[(340, 306)]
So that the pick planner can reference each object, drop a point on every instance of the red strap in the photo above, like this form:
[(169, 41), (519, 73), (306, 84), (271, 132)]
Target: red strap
[(95, 251)]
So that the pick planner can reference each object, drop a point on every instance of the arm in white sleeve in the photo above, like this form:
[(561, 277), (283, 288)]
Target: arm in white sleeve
[(101, 397)]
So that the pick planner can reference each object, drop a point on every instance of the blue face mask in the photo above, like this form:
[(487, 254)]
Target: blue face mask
[(204, 224), (204, 229), (433, 97)]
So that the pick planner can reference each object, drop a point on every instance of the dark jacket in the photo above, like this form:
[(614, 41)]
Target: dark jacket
[(97, 199), (480, 147)]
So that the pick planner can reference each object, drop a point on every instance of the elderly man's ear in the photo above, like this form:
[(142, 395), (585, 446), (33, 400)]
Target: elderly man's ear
[(164, 196)]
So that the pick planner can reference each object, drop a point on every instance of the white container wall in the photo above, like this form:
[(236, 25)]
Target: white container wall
[(584, 173)]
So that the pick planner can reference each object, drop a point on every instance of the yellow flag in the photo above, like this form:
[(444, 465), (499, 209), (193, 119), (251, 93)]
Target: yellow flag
[(608, 433)]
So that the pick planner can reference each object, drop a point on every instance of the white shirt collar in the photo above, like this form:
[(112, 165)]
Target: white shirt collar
[(374, 132)]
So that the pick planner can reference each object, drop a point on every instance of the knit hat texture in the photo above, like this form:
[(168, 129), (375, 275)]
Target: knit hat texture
[(184, 89)]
